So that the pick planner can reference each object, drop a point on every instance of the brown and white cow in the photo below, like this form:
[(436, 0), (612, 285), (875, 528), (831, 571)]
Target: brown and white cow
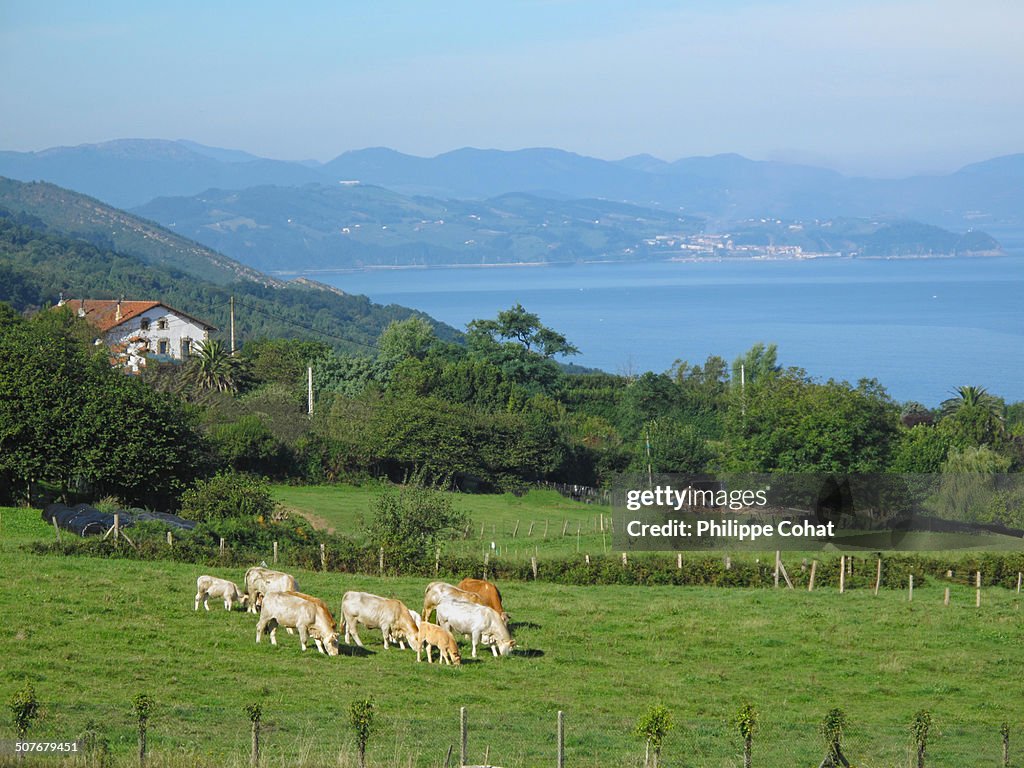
[(309, 617), (211, 586), (434, 636), (489, 593), (437, 591), (373, 611), (480, 622), (259, 581)]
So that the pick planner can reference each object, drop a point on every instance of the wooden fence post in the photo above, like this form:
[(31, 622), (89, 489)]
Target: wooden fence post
[(1019, 575), (777, 558), (679, 561), (275, 553), (842, 574), (910, 592), (323, 557), (533, 566), (545, 529), (515, 531), (565, 527), (728, 563), (878, 576), (530, 532), (945, 598), (170, 539), (561, 739), (117, 526), (977, 589), (380, 563), (437, 561), (487, 559), (810, 583), (222, 546), (624, 560), (464, 734), (56, 528)]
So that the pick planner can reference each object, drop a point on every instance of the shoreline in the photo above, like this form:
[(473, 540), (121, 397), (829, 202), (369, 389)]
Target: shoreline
[(669, 260)]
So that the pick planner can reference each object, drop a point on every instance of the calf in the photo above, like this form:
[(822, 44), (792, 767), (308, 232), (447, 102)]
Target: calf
[(211, 586), (373, 611), (432, 635), (481, 623), (307, 616)]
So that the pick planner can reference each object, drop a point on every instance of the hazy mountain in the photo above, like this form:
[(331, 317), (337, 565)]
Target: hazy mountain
[(355, 225), (721, 189), (343, 226)]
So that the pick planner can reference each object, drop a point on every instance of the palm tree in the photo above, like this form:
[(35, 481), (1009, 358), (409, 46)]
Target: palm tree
[(213, 369), (973, 398)]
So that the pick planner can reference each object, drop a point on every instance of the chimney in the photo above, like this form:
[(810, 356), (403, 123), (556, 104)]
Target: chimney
[(60, 300), (117, 314), (81, 309)]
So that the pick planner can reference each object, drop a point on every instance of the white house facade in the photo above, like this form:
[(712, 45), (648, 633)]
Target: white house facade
[(137, 331)]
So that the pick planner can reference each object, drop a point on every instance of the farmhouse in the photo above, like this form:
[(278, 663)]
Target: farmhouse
[(135, 331)]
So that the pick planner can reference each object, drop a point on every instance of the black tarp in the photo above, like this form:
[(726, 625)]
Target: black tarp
[(86, 520)]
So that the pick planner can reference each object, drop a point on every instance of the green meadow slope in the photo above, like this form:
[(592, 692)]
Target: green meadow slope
[(91, 633)]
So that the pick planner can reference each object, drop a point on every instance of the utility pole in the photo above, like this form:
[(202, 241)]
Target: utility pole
[(232, 325), (647, 439), (309, 387)]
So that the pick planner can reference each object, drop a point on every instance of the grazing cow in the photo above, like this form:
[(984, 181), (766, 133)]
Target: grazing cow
[(438, 590), (373, 611), (489, 592), (259, 581), (481, 623), (432, 635), (211, 586), (308, 616), (321, 605)]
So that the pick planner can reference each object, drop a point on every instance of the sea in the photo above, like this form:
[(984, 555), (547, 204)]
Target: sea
[(921, 327)]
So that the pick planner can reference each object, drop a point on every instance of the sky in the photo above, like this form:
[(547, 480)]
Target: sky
[(863, 86)]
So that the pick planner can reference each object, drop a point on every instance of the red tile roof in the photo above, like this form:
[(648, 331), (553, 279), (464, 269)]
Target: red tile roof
[(103, 313)]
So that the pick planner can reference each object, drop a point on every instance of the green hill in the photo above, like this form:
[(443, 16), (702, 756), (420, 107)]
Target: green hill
[(50, 244)]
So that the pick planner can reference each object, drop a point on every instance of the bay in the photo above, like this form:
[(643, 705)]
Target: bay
[(921, 327)]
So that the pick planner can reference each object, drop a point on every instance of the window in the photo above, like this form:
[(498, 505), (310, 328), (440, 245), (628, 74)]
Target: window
[(186, 348), (144, 324), (161, 324), (161, 347)]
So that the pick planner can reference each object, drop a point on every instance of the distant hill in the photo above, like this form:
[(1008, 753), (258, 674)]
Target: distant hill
[(318, 227), (345, 226), (42, 258), (721, 189)]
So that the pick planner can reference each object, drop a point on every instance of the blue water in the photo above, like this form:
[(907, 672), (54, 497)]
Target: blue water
[(920, 327)]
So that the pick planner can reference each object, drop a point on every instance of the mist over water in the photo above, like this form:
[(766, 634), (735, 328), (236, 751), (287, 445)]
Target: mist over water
[(921, 327)]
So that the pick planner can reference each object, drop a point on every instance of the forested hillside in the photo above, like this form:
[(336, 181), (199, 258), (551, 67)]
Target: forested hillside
[(39, 262)]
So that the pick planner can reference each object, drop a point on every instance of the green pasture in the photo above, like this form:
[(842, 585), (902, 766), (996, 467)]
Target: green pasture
[(91, 633), (541, 516)]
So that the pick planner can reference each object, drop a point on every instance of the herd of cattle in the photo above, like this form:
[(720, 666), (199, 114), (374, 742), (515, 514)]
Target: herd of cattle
[(473, 608)]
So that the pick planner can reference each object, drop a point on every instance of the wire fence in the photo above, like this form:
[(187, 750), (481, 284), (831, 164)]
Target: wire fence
[(498, 736)]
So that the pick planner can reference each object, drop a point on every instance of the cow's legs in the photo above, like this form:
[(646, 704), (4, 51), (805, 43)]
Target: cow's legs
[(260, 626), (273, 634), (199, 597), (303, 636), (494, 650), (386, 631), (351, 625), (475, 638)]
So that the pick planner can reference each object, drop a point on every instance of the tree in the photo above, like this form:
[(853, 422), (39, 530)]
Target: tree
[(410, 522), (756, 364), (214, 369), (524, 328), (361, 716), (227, 495), (653, 726), (24, 707), (412, 337)]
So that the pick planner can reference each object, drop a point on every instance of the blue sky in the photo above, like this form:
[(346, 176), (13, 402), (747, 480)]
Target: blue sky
[(881, 88)]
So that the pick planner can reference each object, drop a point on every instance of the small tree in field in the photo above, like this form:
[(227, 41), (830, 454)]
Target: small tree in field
[(25, 708), (919, 728), (142, 705), (653, 727), (746, 721), (255, 712), (361, 715), (831, 730), (410, 522)]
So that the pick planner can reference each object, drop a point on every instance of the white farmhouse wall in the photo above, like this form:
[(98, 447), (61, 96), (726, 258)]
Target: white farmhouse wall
[(168, 336)]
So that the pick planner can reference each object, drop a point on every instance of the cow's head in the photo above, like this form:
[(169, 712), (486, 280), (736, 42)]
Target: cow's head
[(505, 647), (244, 599), (329, 645), (454, 653)]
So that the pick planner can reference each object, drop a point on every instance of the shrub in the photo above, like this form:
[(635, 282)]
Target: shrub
[(225, 496)]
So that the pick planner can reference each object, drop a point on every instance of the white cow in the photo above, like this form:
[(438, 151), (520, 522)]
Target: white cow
[(437, 591), (259, 581), (211, 586), (481, 623), (372, 611), (309, 616)]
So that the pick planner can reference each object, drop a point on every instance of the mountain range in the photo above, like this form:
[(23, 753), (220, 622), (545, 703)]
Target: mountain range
[(470, 206)]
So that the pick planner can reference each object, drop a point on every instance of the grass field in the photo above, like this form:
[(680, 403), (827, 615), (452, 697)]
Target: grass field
[(541, 516), (91, 633)]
